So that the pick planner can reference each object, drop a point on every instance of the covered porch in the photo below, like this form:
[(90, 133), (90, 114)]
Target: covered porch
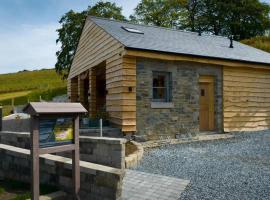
[(108, 92)]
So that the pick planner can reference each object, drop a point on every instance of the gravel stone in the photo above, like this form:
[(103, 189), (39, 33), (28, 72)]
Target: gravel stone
[(237, 168)]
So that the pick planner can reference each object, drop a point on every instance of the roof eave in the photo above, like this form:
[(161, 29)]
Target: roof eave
[(192, 56)]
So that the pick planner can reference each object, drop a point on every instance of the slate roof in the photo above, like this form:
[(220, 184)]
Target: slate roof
[(180, 42)]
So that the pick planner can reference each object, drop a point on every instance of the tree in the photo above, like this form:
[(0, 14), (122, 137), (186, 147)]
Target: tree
[(71, 27), (163, 13), (241, 18), (190, 14), (245, 18)]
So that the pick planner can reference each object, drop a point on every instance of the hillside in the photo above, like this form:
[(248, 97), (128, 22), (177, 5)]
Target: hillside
[(22, 87), (262, 42)]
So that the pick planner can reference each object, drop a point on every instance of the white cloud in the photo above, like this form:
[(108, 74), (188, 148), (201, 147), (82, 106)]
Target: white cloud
[(28, 47)]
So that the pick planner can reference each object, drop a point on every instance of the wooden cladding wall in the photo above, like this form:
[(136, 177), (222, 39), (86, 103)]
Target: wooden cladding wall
[(72, 89), (95, 46), (121, 96), (246, 94)]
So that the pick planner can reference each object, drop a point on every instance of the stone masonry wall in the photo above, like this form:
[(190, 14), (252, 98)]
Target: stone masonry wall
[(97, 182), (184, 116), (105, 151)]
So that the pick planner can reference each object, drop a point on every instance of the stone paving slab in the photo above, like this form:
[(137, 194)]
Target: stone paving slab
[(144, 186)]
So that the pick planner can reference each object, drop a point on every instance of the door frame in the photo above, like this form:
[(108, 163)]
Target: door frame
[(210, 80)]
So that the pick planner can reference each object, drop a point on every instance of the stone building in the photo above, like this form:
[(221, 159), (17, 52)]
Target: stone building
[(153, 81)]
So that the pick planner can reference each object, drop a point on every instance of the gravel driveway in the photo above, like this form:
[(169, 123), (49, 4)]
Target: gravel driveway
[(236, 168)]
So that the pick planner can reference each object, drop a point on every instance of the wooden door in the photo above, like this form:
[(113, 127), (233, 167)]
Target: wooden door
[(206, 104)]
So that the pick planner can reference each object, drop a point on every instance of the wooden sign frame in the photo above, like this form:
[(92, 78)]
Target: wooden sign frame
[(65, 111)]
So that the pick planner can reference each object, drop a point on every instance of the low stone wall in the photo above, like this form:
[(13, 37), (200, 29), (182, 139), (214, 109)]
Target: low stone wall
[(134, 158), (97, 181), (99, 150), (106, 132), (106, 151), (17, 139), (16, 123)]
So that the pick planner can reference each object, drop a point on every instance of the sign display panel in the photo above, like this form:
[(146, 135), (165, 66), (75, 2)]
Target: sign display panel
[(55, 132)]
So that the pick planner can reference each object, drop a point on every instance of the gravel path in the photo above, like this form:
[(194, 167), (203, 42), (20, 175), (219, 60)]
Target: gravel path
[(236, 168)]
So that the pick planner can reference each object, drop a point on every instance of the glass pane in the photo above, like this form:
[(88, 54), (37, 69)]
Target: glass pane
[(159, 94), (159, 81)]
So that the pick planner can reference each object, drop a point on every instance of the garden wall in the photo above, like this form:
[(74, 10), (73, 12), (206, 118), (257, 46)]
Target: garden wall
[(97, 181), (99, 150)]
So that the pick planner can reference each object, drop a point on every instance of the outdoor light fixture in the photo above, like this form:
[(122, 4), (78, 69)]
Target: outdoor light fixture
[(130, 89)]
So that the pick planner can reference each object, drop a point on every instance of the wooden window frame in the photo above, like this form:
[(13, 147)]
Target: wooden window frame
[(168, 86)]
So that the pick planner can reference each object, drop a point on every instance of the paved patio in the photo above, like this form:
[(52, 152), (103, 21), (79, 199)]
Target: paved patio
[(144, 186)]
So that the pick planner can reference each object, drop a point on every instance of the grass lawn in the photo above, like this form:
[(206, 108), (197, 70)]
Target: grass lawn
[(29, 86), (14, 190), (11, 95)]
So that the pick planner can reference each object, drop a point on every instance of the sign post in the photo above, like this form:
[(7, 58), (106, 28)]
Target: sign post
[(54, 128), (1, 117)]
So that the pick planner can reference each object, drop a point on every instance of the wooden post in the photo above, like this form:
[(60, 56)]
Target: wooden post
[(35, 158), (70, 111), (76, 160), (1, 118)]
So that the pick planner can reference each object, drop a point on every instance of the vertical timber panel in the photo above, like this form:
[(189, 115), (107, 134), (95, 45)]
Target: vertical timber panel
[(246, 103), (121, 87), (73, 89), (92, 89)]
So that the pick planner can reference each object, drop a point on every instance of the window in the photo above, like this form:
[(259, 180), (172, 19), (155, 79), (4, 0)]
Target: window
[(132, 30), (162, 87)]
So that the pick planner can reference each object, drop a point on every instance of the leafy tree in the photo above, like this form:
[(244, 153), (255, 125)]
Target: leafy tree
[(163, 13), (190, 14), (245, 18), (241, 18), (71, 27)]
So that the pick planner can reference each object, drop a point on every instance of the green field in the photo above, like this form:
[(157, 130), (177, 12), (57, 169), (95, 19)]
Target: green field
[(262, 42), (21, 87)]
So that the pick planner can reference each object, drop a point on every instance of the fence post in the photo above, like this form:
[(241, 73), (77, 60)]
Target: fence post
[(100, 125), (1, 117)]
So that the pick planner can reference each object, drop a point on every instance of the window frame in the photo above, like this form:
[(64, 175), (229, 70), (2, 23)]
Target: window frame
[(167, 87)]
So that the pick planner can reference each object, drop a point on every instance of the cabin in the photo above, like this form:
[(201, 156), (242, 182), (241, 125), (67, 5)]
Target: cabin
[(152, 81)]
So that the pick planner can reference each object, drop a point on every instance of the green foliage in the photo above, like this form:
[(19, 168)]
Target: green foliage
[(22, 188), (243, 19), (163, 13), (2, 190), (71, 27), (22, 196), (262, 42)]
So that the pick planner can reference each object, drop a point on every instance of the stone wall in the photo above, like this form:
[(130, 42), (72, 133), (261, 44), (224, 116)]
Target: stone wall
[(16, 139), (105, 151), (97, 182), (183, 116), (16, 124)]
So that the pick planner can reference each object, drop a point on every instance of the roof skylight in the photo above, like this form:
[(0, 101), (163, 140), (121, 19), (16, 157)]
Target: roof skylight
[(132, 30)]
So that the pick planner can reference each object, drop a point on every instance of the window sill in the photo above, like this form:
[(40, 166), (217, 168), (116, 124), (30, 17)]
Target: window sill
[(162, 105)]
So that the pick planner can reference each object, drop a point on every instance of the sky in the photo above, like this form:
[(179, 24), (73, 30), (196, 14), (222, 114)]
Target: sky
[(28, 30)]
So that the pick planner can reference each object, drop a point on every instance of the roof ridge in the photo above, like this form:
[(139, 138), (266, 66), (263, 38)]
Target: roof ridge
[(154, 26)]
